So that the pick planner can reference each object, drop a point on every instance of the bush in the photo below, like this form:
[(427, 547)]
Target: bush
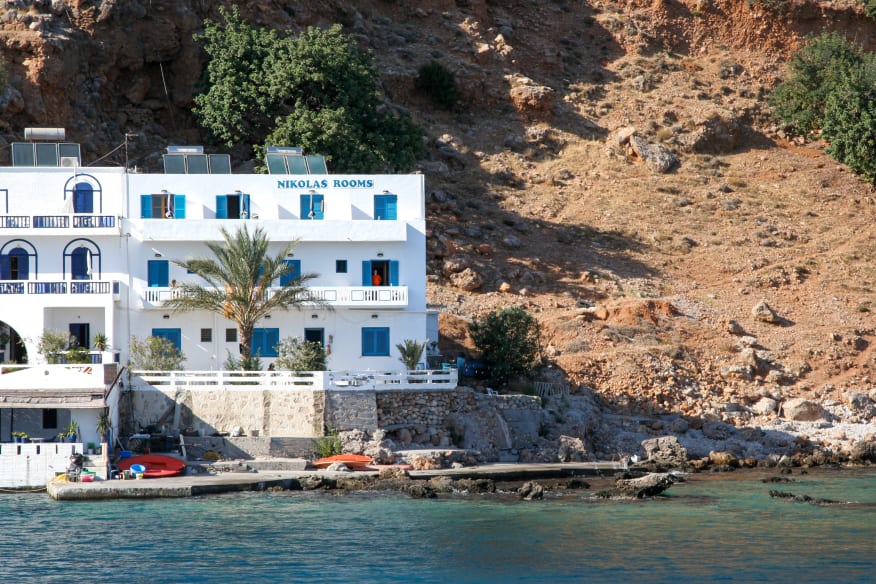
[(328, 445), (52, 345), (155, 354), (296, 354), (815, 71), (410, 353), (850, 119), (438, 83), (509, 343)]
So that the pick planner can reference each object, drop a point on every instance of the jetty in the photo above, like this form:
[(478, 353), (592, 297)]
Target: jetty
[(289, 474)]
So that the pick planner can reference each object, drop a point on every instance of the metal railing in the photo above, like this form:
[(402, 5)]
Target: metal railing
[(60, 221), (58, 287)]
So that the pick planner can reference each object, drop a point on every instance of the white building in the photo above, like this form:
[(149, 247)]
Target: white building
[(88, 250)]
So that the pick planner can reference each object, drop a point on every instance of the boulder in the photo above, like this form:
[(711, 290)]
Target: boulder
[(647, 486), (665, 451), (656, 157), (803, 410), (764, 313), (571, 449), (530, 491)]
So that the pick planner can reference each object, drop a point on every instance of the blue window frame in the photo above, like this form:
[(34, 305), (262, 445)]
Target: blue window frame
[(158, 273), (163, 206), (234, 206), (375, 341), (388, 271), (293, 274), (174, 335), (386, 207), (265, 341), (313, 207), (15, 265)]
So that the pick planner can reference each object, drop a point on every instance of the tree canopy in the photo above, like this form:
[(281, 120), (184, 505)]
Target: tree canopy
[(317, 91), (509, 342), (242, 284)]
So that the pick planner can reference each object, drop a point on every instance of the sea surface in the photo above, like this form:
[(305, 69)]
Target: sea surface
[(708, 529)]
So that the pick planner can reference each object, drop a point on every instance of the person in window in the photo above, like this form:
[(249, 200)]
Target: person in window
[(376, 280)]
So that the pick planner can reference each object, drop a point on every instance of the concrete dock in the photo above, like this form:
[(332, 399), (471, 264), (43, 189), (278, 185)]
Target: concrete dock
[(287, 476)]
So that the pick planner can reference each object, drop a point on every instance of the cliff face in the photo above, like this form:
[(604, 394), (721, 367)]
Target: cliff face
[(613, 168)]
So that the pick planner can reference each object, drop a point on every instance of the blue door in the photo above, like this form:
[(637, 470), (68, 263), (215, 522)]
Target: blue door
[(312, 207), (80, 264), (83, 198)]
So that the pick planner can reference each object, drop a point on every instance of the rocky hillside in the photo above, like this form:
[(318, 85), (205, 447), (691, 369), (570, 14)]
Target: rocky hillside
[(613, 168)]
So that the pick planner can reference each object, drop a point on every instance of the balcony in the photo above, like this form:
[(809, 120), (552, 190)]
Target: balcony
[(334, 296), (91, 287), (61, 221)]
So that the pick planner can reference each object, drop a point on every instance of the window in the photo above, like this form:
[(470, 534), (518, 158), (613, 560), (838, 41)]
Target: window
[(233, 206), (313, 207), (80, 263), (315, 335), (231, 335), (385, 207), (206, 335), (83, 198), (159, 271), (341, 266), (80, 334), (265, 341), (50, 419), (163, 206), (375, 342), (174, 335), (293, 274), (15, 265)]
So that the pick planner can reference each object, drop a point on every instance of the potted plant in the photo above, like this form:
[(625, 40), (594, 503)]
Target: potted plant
[(104, 425), (19, 437), (72, 431), (100, 342)]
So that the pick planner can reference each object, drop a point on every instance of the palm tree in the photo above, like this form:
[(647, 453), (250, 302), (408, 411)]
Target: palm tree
[(242, 284)]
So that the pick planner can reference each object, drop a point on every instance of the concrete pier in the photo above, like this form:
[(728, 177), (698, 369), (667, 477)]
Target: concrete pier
[(286, 476)]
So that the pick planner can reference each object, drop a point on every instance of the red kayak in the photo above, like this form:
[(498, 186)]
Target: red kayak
[(157, 465), (353, 461)]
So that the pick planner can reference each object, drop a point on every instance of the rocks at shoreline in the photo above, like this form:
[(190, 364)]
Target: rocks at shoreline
[(803, 498)]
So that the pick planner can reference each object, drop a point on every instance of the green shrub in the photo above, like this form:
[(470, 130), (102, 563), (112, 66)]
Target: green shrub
[(328, 445), (509, 343), (410, 353), (53, 344), (155, 354), (850, 119), (870, 8), (438, 83), (296, 354), (814, 72)]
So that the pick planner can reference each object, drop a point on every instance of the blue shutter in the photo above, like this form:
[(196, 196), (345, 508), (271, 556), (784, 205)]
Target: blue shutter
[(273, 338), (375, 341), (244, 207), (385, 207), (5, 272), (305, 206), (319, 207), (158, 273), (174, 335), (79, 264), (379, 206), (221, 207), (393, 273), (366, 273), (179, 206), (83, 198), (145, 206), (23, 264), (293, 274), (391, 208)]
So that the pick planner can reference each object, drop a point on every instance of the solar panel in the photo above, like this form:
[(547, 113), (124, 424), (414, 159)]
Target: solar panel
[(219, 163), (196, 163), (174, 164), (296, 165), (316, 164)]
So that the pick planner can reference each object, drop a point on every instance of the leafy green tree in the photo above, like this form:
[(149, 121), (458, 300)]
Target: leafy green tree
[(242, 284), (155, 354), (509, 343), (317, 91), (296, 354), (815, 71), (850, 119)]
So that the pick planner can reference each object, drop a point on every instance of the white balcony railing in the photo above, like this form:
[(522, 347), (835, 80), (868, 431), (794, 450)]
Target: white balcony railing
[(443, 379), (336, 296)]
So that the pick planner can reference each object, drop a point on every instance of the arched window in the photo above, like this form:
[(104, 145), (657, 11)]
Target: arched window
[(82, 194), (83, 258), (16, 259), (83, 198)]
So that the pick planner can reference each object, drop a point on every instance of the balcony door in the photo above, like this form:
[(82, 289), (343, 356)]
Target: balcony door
[(80, 333), (83, 198)]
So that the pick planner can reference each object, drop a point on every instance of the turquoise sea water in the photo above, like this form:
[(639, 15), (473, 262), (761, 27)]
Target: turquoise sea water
[(703, 531)]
